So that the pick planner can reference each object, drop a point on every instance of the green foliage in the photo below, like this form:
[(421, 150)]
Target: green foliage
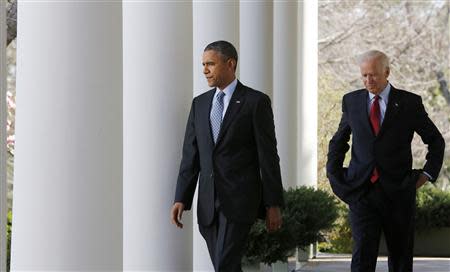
[(8, 240), (308, 212), (432, 208), (268, 247), (330, 95), (339, 239)]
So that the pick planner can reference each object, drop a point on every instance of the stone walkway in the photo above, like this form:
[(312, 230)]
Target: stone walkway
[(341, 263)]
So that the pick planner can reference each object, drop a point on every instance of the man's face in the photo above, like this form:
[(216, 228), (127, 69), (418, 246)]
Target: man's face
[(373, 75), (218, 71)]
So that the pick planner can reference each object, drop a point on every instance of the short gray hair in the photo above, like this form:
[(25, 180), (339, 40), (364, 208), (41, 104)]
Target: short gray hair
[(375, 54)]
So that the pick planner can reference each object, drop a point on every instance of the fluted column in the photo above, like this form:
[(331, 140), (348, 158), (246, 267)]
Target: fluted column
[(307, 94), (255, 44), (68, 157), (157, 96), (212, 20), (3, 113), (285, 73)]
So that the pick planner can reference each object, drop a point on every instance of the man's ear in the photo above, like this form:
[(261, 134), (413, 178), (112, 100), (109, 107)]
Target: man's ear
[(388, 71), (232, 64)]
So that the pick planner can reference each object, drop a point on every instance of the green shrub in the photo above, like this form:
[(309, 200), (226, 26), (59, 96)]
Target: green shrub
[(308, 212), (432, 208), (339, 239), (8, 240)]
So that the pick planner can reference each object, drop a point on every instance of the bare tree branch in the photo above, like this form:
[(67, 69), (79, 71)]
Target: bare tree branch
[(338, 37), (11, 20), (414, 34), (443, 86)]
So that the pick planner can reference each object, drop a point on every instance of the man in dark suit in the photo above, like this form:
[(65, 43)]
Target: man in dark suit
[(230, 143), (379, 184)]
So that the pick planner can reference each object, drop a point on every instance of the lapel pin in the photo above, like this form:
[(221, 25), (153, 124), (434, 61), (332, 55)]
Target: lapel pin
[(238, 102), (396, 104)]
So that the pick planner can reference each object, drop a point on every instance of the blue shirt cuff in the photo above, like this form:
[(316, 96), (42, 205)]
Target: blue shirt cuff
[(428, 175)]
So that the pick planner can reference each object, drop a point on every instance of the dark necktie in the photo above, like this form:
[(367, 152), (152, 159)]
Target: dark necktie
[(375, 121)]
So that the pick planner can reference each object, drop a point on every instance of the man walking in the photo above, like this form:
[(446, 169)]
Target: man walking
[(379, 184), (230, 147)]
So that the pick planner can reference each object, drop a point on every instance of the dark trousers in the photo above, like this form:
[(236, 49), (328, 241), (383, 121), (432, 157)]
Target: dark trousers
[(226, 241), (376, 212)]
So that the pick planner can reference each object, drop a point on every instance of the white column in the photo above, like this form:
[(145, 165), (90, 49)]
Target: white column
[(3, 114), (307, 94), (157, 96), (285, 73), (255, 44), (212, 21), (68, 163)]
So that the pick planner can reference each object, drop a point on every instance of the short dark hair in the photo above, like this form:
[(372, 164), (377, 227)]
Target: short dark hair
[(226, 49)]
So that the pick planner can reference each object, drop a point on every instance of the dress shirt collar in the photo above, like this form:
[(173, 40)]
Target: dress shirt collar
[(228, 90), (384, 95)]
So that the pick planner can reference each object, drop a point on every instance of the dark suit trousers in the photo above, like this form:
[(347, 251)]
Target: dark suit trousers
[(226, 241), (376, 212)]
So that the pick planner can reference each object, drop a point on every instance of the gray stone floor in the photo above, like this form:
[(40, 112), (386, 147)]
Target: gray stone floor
[(341, 263)]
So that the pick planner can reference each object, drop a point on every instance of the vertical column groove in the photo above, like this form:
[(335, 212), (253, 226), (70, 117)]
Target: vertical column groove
[(157, 95)]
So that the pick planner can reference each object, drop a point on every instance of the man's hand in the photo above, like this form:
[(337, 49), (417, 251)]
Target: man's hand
[(273, 219), (177, 213), (421, 181)]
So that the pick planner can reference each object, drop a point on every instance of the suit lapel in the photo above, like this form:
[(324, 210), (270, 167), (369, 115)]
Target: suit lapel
[(391, 110), (362, 103), (234, 107), (206, 109)]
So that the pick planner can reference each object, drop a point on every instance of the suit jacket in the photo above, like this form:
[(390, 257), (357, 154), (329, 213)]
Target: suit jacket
[(242, 169), (389, 151)]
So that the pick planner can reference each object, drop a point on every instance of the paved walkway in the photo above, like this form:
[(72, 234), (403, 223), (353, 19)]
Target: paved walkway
[(341, 263)]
